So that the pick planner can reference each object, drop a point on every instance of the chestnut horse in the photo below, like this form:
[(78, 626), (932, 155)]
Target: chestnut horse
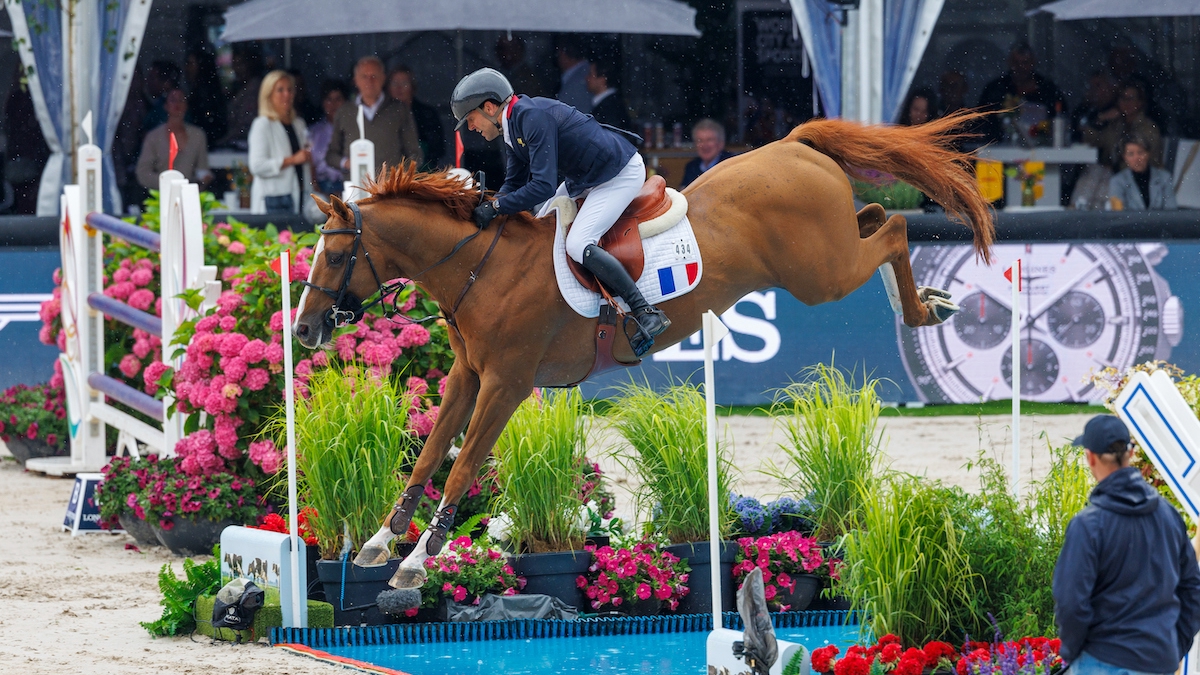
[(782, 215)]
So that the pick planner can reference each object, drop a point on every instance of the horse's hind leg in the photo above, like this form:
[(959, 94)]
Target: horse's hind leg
[(887, 249), (870, 219), (458, 401)]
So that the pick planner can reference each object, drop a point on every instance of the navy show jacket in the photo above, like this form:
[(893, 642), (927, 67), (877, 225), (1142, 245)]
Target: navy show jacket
[(551, 139)]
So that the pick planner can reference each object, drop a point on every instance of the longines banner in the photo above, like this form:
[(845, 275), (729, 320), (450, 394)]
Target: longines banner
[(1087, 305)]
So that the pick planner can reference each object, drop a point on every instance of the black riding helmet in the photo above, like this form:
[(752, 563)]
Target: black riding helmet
[(485, 84)]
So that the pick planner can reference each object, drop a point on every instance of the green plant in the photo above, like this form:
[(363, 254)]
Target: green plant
[(123, 476), (466, 571), (666, 433), (832, 448), (35, 413), (891, 194), (538, 460), (906, 568), (179, 595), (351, 441)]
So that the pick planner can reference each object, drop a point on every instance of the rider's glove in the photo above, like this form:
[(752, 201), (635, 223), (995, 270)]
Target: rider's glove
[(484, 213)]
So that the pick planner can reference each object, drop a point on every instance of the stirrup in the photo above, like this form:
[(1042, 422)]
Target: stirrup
[(439, 529), (642, 339)]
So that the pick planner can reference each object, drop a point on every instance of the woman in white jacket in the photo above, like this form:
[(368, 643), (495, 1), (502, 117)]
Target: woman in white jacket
[(280, 159)]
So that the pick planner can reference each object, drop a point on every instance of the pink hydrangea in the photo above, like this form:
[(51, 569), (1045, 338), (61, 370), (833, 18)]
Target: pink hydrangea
[(151, 375), (256, 379), (141, 348), (345, 345), (120, 290), (254, 351), (274, 353), (320, 359), (208, 324), (230, 272), (44, 335), (141, 277), (225, 432), (130, 365), (265, 455), (236, 247), (285, 237), (420, 423), (299, 271), (416, 386), (234, 367), (229, 301), (141, 299), (409, 304), (276, 322), (413, 335), (232, 344), (122, 274), (304, 367), (228, 323), (442, 385)]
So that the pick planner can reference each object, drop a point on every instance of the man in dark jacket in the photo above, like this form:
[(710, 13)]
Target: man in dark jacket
[(1127, 585), (547, 139)]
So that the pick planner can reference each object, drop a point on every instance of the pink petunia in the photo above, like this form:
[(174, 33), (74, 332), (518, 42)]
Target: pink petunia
[(460, 594)]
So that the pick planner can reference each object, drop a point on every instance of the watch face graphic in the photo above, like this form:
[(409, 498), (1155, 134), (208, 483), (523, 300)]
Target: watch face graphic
[(1084, 306)]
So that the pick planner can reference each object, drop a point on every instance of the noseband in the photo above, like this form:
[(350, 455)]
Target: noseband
[(348, 308)]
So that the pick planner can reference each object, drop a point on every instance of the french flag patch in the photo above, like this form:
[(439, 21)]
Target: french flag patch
[(677, 277)]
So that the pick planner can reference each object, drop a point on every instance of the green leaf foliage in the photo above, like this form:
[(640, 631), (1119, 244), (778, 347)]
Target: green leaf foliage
[(179, 595)]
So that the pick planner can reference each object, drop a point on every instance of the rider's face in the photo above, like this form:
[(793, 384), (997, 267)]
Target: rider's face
[(485, 120)]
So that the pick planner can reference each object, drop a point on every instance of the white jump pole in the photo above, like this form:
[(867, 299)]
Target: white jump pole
[(1016, 377), (714, 332), (290, 411)]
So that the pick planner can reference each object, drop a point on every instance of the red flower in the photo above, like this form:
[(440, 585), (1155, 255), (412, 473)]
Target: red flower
[(935, 651), (413, 534), (822, 658), (914, 654), (909, 666), (890, 652), (1054, 645), (852, 665), (889, 639)]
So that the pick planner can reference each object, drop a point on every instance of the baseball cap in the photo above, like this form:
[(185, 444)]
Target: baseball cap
[(1101, 432)]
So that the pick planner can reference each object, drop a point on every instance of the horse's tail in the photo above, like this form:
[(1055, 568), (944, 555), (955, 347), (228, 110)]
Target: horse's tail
[(922, 155)]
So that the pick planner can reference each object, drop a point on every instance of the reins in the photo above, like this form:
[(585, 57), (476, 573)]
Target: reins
[(347, 309)]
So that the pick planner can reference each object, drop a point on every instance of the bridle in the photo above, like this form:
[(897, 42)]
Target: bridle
[(348, 309)]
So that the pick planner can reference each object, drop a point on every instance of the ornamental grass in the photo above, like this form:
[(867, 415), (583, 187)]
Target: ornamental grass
[(669, 455), (833, 446), (539, 461), (351, 442)]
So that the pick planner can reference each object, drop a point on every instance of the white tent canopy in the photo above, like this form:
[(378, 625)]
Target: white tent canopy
[(1068, 10), (275, 19)]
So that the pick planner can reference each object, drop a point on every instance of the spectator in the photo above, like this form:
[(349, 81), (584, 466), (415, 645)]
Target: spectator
[(918, 107), (1034, 94), (162, 77), (205, 93), (709, 138), (952, 92), (1131, 122), (510, 53), (243, 105), (192, 159), (328, 178), (607, 105), (280, 155), (572, 87), (1126, 586), (1139, 186), (1097, 111), (402, 86), (388, 123)]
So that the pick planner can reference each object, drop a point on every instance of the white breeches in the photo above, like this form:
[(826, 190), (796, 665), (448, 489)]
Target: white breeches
[(605, 203)]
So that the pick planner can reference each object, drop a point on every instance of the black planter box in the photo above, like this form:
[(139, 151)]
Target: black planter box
[(554, 574), (191, 537), (23, 449), (699, 597), (141, 531), (354, 600)]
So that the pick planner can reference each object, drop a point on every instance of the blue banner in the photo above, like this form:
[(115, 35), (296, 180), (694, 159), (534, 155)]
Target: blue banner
[(26, 280)]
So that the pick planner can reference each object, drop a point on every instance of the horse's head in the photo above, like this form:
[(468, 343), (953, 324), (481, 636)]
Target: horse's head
[(337, 281)]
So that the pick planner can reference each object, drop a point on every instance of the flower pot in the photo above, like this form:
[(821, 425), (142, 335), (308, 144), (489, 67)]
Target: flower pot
[(141, 531), (352, 589), (191, 537), (651, 606), (597, 540), (699, 597), (554, 574), (836, 603), (23, 449), (801, 596)]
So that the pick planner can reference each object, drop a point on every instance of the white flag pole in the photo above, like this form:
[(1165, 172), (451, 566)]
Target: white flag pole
[(290, 410), (714, 332), (1016, 377)]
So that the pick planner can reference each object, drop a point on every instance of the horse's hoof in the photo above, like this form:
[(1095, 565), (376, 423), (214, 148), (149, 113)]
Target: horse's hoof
[(408, 577), (372, 556), (927, 292)]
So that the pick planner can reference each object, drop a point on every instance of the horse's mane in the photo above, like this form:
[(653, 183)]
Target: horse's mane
[(406, 181), (436, 186)]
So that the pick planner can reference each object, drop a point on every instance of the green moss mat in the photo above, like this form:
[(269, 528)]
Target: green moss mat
[(320, 615)]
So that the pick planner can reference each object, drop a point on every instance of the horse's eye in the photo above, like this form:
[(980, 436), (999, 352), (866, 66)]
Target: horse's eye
[(334, 258)]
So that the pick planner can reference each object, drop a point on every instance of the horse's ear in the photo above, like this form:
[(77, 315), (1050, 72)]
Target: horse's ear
[(338, 208), (322, 204)]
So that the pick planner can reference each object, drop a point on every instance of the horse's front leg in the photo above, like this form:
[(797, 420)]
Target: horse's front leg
[(499, 397), (458, 401)]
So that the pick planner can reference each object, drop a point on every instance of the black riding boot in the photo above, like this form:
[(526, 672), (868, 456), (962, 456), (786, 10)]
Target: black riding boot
[(650, 320)]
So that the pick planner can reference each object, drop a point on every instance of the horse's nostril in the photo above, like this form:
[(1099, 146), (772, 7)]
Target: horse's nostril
[(301, 330)]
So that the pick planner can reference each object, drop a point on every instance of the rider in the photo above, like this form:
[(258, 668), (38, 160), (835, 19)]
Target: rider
[(546, 138)]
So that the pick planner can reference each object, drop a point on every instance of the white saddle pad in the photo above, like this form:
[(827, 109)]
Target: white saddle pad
[(673, 264)]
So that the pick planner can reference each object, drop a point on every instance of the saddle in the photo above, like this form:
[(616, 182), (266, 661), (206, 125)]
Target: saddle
[(624, 239)]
